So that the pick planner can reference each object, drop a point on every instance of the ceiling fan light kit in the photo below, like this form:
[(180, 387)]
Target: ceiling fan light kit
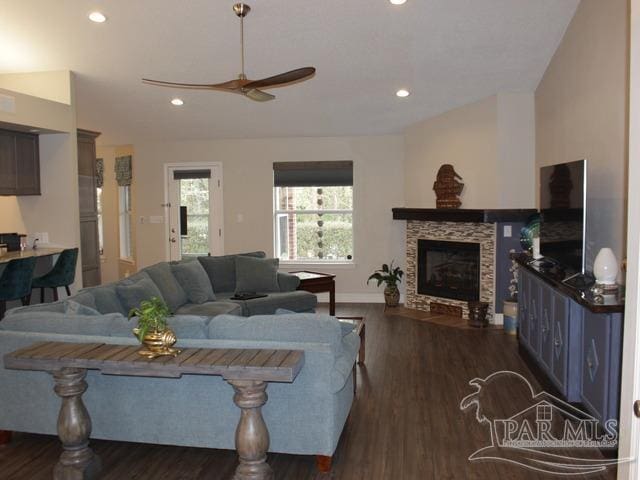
[(252, 89)]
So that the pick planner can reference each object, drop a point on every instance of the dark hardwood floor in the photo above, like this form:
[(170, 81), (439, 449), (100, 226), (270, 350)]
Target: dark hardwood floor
[(406, 423)]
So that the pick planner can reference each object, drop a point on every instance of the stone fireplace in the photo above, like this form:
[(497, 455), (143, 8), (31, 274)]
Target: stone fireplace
[(454, 256), (452, 264)]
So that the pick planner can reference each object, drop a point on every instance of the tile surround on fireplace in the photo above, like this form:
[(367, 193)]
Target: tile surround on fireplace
[(483, 234)]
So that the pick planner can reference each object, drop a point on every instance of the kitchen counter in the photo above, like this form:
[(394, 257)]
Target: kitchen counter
[(39, 252)]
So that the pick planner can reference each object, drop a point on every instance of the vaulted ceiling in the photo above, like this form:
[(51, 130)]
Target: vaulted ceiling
[(446, 52)]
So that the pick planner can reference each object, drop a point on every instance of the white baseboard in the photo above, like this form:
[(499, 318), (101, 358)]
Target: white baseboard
[(355, 298)]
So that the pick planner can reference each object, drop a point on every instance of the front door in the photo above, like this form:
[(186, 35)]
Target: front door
[(194, 194)]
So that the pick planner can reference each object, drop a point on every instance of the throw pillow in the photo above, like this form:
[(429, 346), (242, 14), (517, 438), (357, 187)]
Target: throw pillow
[(222, 270), (131, 295), (169, 287), (257, 274), (195, 281)]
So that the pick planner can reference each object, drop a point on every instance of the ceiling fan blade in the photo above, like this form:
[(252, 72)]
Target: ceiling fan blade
[(294, 76), (160, 83), (258, 95)]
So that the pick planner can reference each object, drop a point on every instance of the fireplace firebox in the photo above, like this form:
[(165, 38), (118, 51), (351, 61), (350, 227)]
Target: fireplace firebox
[(449, 269)]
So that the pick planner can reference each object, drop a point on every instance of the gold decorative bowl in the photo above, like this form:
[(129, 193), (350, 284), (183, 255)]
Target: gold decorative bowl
[(158, 344)]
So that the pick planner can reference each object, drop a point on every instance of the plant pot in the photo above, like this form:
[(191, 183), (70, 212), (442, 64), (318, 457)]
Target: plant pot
[(510, 314), (391, 296), (158, 343)]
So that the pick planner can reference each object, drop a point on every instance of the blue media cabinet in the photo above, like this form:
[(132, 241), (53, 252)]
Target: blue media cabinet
[(575, 341)]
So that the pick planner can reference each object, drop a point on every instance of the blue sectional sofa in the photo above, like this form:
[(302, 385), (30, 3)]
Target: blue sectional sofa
[(305, 417)]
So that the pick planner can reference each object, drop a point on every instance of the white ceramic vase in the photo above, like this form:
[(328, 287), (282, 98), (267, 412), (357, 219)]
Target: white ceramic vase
[(605, 267)]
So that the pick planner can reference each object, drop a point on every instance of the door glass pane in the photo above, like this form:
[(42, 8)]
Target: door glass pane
[(194, 195)]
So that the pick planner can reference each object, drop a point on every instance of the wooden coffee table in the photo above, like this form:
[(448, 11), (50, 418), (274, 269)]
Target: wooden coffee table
[(247, 371), (316, 282)]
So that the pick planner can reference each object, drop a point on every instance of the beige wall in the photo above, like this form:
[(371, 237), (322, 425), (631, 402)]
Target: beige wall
[(112, 267), (248, 190), (491, 145), (109, 260), (52, 86), (581, 112)]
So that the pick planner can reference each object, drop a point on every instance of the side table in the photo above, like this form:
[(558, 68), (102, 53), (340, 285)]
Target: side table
[(316, 282)]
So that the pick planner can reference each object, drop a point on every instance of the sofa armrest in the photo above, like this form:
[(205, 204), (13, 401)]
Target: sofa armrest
[(287, 282)]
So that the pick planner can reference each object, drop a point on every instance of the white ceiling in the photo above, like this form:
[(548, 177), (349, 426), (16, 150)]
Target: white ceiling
[(447, 52)]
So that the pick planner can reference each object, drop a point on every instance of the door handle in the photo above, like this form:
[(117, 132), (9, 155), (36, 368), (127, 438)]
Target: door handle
[(636, 408)]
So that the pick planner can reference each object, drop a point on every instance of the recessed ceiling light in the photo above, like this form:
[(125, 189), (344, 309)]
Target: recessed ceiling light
[(402, 93), (177, 102), (97, 17), (398, 2)]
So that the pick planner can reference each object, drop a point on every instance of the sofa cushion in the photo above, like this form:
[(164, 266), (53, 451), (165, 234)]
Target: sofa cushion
[(298, 327), (85, 298), (222, 270), (173, 294), (257, 274), (106, 299), (210, 309), (298, 301), (195, 281), (131, 295), (184, 326), (49, 322), (71, 307)]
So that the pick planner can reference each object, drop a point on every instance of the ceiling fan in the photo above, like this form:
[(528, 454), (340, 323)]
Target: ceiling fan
[(252, 89)]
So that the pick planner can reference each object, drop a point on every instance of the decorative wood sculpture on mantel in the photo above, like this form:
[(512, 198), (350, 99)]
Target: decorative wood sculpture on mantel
[(447, 188)]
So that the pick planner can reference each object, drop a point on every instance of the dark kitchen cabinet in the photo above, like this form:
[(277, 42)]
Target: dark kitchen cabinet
[(89, 236), (19, 163)]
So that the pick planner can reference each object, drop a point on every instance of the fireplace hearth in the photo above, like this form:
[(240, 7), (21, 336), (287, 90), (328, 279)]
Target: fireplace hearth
[(449, 269)]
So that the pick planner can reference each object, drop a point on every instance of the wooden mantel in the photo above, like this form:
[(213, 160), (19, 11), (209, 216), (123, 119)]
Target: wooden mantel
[(463, 215)]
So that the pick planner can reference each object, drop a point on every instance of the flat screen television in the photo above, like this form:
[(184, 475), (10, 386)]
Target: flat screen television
[(563, 201)]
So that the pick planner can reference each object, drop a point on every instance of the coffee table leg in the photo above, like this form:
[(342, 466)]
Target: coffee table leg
[(77, 462), (363, 338), (332, 298), (252, 436)]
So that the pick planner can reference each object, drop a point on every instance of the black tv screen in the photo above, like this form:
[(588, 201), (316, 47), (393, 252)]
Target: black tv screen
[(563, 190)]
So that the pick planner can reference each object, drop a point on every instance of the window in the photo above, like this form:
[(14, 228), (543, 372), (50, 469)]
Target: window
[(100, 220), (313, 213), (125, 222)]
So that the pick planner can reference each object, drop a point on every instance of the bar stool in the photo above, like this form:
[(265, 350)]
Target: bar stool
[(62, 274), (15, 282)]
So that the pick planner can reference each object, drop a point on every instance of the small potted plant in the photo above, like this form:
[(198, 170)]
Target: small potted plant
[(152, 331), (391, 277)]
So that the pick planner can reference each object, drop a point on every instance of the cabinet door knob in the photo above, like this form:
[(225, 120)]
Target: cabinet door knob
[(636, 408)]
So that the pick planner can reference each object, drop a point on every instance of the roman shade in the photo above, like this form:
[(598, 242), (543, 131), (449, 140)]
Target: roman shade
[(99, 172), (123, 171), (313, 174), (191, 174)]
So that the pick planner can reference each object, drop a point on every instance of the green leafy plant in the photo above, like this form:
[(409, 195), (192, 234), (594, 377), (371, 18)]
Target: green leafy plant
[(387, 274), (152, 316)]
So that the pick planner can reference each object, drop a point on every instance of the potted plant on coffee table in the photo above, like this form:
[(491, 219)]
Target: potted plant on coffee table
[(152, 330), (391, 277)]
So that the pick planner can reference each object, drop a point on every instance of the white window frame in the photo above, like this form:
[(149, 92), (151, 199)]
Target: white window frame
[(125, 210), (99, 208), (316, 261)]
